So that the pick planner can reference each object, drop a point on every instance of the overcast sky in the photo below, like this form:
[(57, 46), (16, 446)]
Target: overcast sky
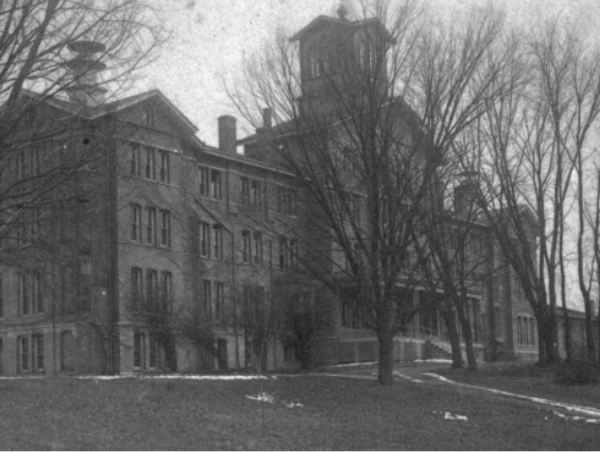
[(210, 38)]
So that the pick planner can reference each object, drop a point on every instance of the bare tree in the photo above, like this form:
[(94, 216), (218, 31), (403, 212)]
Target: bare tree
[(58, 58), (363, 157), (529, 147)]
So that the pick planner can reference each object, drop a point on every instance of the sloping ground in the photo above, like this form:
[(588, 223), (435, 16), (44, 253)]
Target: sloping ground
[(526, 379), (293, 412)]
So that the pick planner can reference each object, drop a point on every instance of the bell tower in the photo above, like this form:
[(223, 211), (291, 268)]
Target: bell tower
[(337, 55)]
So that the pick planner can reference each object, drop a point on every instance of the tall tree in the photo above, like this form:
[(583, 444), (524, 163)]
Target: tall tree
[(528, 149), (61, 50), (363, 124)]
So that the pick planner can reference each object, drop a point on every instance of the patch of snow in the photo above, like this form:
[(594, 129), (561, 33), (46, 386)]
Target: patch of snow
[(414, 380), (207, 377), (174, 377), (586, 410), (454, 417), (359, 377), (365, 363), (576, 418), (262, 397), (434, 360), (293, 404)]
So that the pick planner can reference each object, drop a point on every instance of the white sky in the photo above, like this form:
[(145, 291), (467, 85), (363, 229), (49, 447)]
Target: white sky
[(211, 37)]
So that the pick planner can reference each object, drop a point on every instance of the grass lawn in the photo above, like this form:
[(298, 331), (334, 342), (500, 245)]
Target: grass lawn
[(337, 413), (526, 379)]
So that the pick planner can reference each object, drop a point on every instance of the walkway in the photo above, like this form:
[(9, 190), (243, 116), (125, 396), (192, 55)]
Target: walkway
[(425, 374)]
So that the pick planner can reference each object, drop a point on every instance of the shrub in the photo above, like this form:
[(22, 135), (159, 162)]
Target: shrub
[(579, 372)]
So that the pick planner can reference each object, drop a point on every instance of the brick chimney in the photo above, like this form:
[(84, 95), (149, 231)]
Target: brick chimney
[(227, 134)]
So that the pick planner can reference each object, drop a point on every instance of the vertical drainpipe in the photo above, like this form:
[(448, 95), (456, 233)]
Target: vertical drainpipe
[(234, 300), (112, 264)]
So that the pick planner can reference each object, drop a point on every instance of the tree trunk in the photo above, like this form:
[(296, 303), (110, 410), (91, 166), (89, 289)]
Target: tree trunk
[(568, 335), (468, 337), (547, 335), (385, 375), (589, 329), (449, 320)]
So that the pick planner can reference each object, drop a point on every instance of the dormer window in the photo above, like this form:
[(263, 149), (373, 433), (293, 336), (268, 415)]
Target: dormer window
[(366, 55)]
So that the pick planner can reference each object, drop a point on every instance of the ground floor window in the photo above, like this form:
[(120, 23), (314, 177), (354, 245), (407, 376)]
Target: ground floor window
[(139, 350), (67, 351), (146, 351), (525, 330), (222, 352), (38, 352), (23, 353), (351, 314)]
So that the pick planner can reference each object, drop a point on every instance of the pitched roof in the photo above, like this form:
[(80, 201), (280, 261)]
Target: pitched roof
[(76, 108), (325, 20)]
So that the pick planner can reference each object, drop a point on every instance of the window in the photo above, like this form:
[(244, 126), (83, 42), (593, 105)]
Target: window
[(151, 286), (165, 228), (150, 225), (256, 193), (136, 222), (135, 163), (525, 330), (245, 187), (23, 353), (205, 239), (258, 252), (288, 253), (217, 241), (38, 352), (166, 284), (287, 200), (23, 294), (152, 352), (203, 181), (139, 345), (246, 250), (366, 56), (251, 192), (35, 161), (37, 305), (215, 184), (283, 253), (136, 287), (164, 173), (219, 302), (150, 164), (518, 290), (22, 169), (29, 293), (293, 251), (207, 289)]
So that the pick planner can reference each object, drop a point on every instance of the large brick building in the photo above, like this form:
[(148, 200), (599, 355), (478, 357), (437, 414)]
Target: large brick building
[(162, 252)]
